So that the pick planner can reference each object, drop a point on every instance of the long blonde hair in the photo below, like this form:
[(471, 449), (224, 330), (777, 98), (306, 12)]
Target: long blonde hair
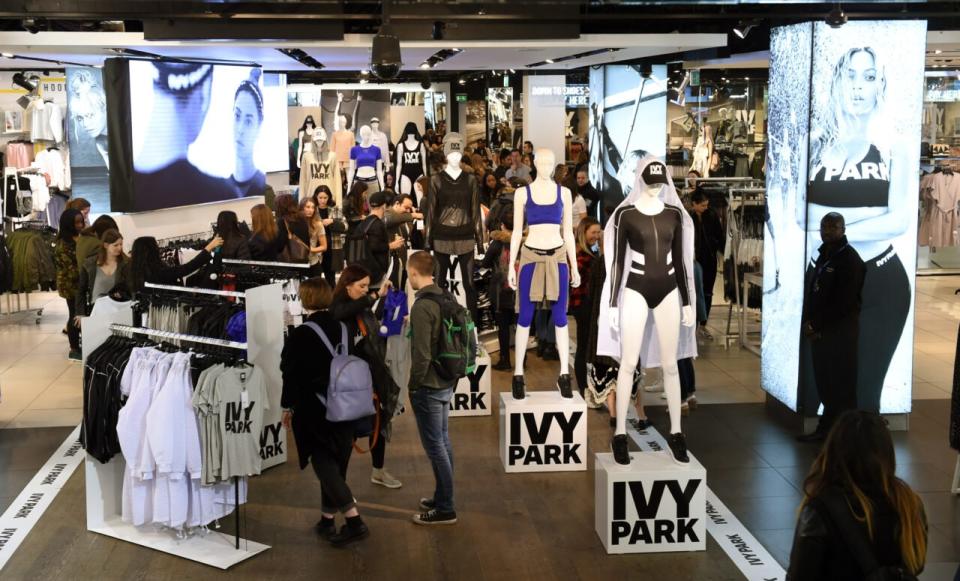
[(581, 233), (832, 121), (264, 223), (315, 223)]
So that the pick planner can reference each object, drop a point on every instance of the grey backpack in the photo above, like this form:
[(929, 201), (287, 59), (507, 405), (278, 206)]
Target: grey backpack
[(350, 391)]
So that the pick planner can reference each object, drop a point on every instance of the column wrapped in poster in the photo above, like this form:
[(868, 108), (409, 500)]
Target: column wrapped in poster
[(844, 130)]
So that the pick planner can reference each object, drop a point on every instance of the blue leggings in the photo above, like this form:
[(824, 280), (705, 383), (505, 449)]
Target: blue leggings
[(527, 308)]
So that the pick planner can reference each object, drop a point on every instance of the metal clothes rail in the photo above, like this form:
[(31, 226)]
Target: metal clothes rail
[(177, 336)]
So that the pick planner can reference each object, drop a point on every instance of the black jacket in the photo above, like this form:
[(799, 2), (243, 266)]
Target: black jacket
[(708, 236), (591, 195), (170, 275), (832, 294), (305, 367), (267, 250), (821, 553), (236, 248), (378, 247)]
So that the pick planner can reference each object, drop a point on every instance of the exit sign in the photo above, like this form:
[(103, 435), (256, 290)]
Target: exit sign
[(461, 98)]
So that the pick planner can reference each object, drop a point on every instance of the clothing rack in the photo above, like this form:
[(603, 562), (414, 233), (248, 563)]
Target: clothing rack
[(290, 265), (177, 336), (185, 240), (740, 198), (193, 290)]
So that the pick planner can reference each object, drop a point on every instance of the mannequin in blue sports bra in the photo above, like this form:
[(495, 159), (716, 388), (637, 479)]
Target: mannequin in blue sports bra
[(545, 260)]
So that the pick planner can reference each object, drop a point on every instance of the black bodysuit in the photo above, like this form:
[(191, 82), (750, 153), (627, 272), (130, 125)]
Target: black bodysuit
[(658, 240), (412, 165)]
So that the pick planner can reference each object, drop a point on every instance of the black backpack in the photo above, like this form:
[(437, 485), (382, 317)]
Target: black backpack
[(456, 354), (856, 541)]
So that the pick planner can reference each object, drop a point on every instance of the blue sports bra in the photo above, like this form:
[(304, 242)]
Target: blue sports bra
[(544, 213), (365, 156)]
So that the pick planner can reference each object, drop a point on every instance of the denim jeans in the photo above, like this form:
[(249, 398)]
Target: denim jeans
[(431, 407)]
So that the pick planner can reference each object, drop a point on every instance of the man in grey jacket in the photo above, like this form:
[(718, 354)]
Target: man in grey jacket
[(429, 394)]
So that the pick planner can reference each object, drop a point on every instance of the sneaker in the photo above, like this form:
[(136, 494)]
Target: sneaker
[(349, 533), (640, 424), (621, 449), (75, 355), (678, 447), (704, 334), (563, 383), (519, 388), (435, 517), (503, 365), (427, 504), (383, 478)]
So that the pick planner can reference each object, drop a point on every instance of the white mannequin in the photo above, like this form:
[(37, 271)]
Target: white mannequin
[(543, 190), (315, 146), (365, 172), (668, 316), (379, 138), (410, 144), (453, 168)]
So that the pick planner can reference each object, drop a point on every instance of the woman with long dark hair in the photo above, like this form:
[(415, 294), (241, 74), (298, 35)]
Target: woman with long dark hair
[(68, 275), (266, 241), (291, 225), (334, 226), (318, 236), (234, 240), (353, 305), (853, 500), (147, 266), (355, 211)]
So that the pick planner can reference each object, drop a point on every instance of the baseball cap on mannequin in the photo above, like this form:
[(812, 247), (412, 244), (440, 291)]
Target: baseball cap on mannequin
[(654, 173), (452, 142)]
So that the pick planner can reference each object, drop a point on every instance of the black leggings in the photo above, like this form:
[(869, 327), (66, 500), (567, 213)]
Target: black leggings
[(883, 314), (378, 452), (505, 320), (330, 458), (73, 331), (445, 268)]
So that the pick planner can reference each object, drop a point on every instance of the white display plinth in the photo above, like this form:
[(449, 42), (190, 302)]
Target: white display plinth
[(474, 394), (543, 432), (652, 505)]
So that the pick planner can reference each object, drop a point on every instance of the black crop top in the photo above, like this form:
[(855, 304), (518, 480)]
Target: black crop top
[(657, 260), (865, 184)]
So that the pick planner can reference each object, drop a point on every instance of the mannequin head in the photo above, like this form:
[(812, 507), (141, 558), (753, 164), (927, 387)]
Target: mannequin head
[(545, 161), (366, 134), (308, 122), (453, 159), (375, 124), (410, 130), (652, 178), (343, 122)]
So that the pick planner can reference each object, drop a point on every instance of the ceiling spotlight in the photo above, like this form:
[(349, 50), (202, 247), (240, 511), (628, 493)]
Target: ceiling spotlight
[(32, 25), (746, 78), (364, 72), (836, 18), (743, 28), (513, 72), (424, 65), (482, 11), (938, 51), (549, 61), (462, 81), (436, 33)]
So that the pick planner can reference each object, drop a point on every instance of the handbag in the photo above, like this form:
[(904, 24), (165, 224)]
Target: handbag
[(296, 250)]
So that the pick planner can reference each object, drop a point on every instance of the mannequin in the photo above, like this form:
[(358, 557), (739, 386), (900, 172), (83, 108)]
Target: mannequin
[(453, 222), (321, 169), (343, 138), (381, 140), (311, 139), (650, 265), (548, 210), (366, 164), (411, 160)]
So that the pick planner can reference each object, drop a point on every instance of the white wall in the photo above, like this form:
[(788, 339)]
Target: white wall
[(400, 116), (545, 113)]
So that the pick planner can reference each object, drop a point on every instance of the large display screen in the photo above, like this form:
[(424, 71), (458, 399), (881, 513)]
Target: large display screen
[(201, 132), (628, 120), (845, 114), (87, 137)]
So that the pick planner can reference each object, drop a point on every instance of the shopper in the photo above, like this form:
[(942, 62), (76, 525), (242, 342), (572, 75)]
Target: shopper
[(490, 189), (235, 244), (518, 169), (355, 212), (579, 205), (353, 301), (145, 264), (527, 161), (589, 193), (708, 243), (373, 233), (266, 241), (305, 366), (318, 236), (831, 320), (502, 205), (399, 219), (335, 227), (68, 275), (582, 298), (81, 204), (856, 512), (293, 226), (527, 148), (497, 260), (100, 274), (503, 164), (88, 243), (429, 394)]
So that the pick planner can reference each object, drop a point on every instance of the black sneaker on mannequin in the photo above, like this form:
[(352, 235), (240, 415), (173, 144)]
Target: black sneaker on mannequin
[(563, 382), (519, 388), (621, 449), (678, 447)]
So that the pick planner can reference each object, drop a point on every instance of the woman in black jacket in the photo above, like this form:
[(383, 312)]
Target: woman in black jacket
[(291, 223), (145, 264), (353, 305), (852, 501), (234, 240), (305, 365), (266, 241)]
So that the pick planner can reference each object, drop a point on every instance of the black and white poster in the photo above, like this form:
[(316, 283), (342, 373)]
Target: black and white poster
[(87, 137), (203, 133), (857, 156), (499, 116), (628, 120)]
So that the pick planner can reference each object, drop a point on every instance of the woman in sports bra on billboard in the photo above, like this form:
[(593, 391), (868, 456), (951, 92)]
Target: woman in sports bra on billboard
[(857, 170)]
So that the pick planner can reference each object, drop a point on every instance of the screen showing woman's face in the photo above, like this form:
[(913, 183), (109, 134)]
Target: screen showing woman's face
[(863, 84), (90, 119), (246, 124)]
